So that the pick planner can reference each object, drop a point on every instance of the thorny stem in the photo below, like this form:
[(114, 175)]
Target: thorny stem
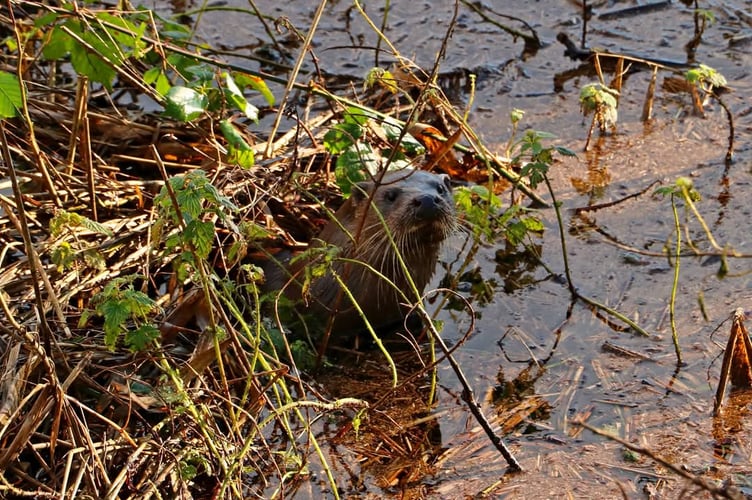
[(675, 284)]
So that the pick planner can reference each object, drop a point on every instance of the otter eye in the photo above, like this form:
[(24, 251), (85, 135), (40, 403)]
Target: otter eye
[(391, 194), (447, 184)]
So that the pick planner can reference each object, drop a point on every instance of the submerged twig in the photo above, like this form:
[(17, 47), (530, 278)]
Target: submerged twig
[(468, 397), (724, 492), (675, 284), (570, 282)]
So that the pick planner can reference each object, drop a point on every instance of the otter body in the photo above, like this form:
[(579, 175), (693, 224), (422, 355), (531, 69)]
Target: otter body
[(418, 211)]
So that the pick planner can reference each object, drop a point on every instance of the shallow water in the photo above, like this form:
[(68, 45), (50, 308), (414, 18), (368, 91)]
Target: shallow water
[(645, 401)]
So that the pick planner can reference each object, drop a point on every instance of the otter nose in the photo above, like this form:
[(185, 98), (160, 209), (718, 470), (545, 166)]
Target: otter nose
[(427, 206)]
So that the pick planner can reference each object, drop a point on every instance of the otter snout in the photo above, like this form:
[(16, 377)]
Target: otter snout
[(428, 206)]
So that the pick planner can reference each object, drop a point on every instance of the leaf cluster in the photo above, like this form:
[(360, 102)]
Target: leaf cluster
[(358, 157), (126, 313), (191, 203), (65, 254), (602, 101)]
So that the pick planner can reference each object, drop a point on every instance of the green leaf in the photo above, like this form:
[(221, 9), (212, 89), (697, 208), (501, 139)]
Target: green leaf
[(342, 136), (533, 224), (63, 256), (382, 77), (345, 134), (116, 313), (139, 303), (94, 259), (201, 236), (233, 136), (409, 143), (10, 95), (189, 201), (664, 191), (515, 116), (151, 75), (564, 151), (98, 60), (245, 159), (236, 98), (256, 83), (705, 76), (140, 338), (45, 20), (352, 165), (129, 37), (58, 45), (240, 152), (184, 104)]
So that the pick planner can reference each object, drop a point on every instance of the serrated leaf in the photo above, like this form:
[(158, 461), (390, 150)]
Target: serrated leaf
[(138, 302), (140, 338), (95, 259), (115, 314), (63, 256), (190, 204), (184, 104), (96, 227), (10, 95), (201, 235), (533, 224)]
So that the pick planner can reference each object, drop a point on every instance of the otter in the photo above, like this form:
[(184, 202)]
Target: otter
[(417, 209)]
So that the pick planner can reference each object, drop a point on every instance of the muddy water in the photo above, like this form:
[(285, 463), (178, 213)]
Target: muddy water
[(648, 402)]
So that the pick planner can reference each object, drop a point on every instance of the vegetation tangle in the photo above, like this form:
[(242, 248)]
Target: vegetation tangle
[(142, 355)]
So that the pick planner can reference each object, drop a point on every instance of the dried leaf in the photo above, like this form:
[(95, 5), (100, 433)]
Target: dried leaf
[(736, 360)]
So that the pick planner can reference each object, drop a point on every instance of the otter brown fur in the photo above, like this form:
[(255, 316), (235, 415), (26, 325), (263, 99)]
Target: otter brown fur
[(418, 211)]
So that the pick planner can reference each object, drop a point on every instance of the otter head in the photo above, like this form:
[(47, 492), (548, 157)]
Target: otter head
[(416, 207), (403, 218)]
